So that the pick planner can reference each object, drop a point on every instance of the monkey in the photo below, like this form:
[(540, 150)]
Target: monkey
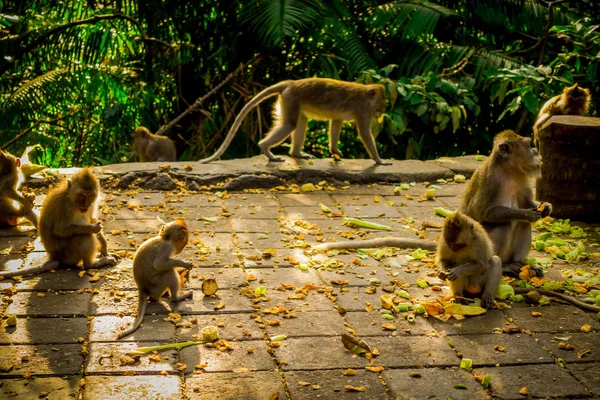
[(9, 176), (155, 271), (499, 195), (151, 147), (465, 253), (573, 101), (568, 299), (316, 98), (68, 229), (467, 257)]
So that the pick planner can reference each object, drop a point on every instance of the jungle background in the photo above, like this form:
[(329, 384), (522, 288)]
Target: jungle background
[(76, 77)]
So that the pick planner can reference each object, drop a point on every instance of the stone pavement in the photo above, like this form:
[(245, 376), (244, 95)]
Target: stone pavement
[(64, 345)]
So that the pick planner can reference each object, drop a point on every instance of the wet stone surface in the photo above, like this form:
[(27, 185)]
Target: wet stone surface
[(64, 343)]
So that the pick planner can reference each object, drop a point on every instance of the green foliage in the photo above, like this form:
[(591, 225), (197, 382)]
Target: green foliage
[(77, 76)]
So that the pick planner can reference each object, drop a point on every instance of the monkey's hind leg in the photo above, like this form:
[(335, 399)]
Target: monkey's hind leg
[(494, 276), (47, 266), (289, 114), (520, 244), (298, 138), (335, 126), (87, 252), (174, 286)]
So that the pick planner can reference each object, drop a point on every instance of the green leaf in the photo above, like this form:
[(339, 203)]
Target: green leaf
[(531, 102)]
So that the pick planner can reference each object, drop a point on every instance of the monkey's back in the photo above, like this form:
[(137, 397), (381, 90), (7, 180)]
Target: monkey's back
[(144, 273), (161, 148), (55, 210)]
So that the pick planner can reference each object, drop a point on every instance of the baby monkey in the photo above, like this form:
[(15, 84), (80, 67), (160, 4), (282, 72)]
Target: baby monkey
[(155, 271), (151, 147), (467, 256), (573, 101), (9, 176), (317, 98)]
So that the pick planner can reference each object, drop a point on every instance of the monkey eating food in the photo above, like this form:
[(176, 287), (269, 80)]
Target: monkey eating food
[(151, 147), (155, 271), (320, 99), (68, 229), (9, 211), (573, 101), (465, 254)]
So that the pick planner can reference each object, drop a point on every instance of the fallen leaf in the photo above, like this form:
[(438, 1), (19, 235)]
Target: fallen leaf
[(350, 372), (355, 345), (586, 328), (350, 388), (524, 391)]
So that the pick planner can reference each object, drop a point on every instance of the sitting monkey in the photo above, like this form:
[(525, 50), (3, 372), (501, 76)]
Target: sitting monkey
[(320, 99), (155, 271), (151, 147)]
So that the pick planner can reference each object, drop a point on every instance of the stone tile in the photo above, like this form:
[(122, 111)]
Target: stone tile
[(520, 349), (222, 225), (403, 386), (234, 303), (106, 358), (235, 327), (223, 240), (366, 275), (52, 304), (134, 225), (258, 226), (199, 213), (380, 212), (44, 330), (310, 212), (57, 388), (318, 323), (413, 351), (317, 354), (193, 200), (588, 375), (125, 213), (542, 381), (132, 387), (331, 385), (582, 342), (139, 199), (154, 327), (106, 302), (305, 199), (211, 258), (58, 280), (555, 318), (125, 241), (369, 324), (278, 259), (356, 299), (56, 359), (226, 277), (260, 241), (256, 212), (229, 360), (257, 385), (314, 301), (273, 278), (451, 203), (251, 199), (422, 212), (479, 324)]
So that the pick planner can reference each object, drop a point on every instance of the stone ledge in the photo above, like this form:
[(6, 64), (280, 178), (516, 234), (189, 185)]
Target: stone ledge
[(258, 172)]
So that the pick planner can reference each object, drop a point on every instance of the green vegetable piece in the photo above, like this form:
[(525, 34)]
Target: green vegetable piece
[(260, 291), (540, 246), (487, 381), (466, 363), (387, 316), (419, 254), (443, 212), (404, 186), (278, 338), (410, 317), (598, 316), (593, 292), (422, 284), (384, 311), (597, 300), (479, 157), (517, 298), (419, 309), (402, 293), (504, 291), (364, 224), (460, 386), (402, 307), (324, 208)]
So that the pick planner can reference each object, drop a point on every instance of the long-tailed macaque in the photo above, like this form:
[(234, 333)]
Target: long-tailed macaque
[(68, 229), (151, 147), (155, 271), (499, 195), (9, 176), (573, 101), (465, 253), (320, 99)]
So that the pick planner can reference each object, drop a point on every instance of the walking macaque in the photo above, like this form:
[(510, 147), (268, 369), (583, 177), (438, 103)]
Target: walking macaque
[(151, 147), (499, 195), (465, 253), (573, 101), (9, 212), (155, 271), (68, 229), (320, 99)]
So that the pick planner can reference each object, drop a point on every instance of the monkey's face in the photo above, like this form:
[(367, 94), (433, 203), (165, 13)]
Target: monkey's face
[(457, 232), (84, 200), (528, 157)]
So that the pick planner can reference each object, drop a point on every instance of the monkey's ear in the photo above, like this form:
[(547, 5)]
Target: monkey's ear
[(504, 149), (163, 232), (69, 184), (371, 93), (182, 234), (18, 162)]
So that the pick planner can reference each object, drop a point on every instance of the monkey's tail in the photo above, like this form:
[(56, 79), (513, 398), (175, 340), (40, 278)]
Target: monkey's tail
[(268, 92), (379, 242), (47, 266), (567, 298), (140, 317)]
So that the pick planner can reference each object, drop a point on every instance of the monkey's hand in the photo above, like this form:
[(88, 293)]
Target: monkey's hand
[(487, 300), (96, 228), (545, 208), (463, 270), (532, 215), (456, 273), (187, 265)]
